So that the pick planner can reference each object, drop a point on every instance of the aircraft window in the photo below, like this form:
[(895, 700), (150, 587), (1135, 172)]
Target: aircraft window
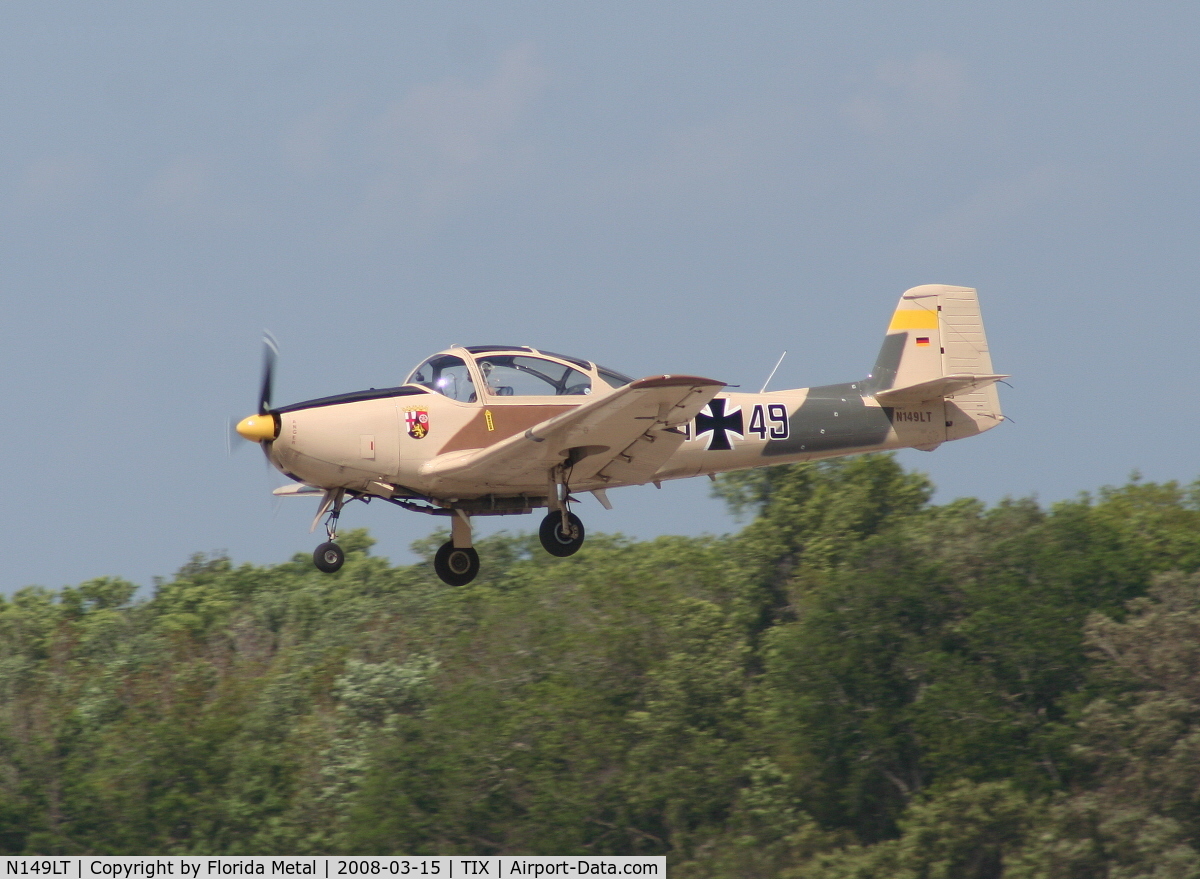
[(575, 360), (509, 375), (447, 375), (614, 379)]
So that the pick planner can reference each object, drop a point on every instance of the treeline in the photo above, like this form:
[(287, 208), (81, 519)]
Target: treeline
[(858, 684)]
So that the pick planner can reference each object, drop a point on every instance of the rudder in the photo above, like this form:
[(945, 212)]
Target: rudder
[(966, 352)]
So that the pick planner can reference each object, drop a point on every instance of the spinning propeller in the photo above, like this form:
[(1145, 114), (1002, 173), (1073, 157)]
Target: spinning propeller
[(263, 427)]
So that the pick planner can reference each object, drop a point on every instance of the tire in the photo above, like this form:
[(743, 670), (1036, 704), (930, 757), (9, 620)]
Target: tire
[(554, 541), (455, 566), (328, 557)]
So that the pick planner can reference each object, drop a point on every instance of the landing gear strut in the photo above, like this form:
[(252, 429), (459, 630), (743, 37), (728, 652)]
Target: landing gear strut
[(329, 557), (561, 531), (457, 562)]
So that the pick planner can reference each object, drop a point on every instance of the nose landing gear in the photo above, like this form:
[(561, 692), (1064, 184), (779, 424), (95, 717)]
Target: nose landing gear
[(329, 557)]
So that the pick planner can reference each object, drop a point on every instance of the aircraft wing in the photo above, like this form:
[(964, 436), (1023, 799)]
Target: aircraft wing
[(622, 438)]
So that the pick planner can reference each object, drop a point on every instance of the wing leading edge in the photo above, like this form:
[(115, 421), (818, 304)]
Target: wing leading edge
[(622, 439)]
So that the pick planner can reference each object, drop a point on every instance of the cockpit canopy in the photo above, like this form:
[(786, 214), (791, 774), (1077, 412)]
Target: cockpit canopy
[(447, 375), (497, 371)]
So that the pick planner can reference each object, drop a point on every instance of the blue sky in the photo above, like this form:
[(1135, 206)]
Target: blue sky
[(661, 187)]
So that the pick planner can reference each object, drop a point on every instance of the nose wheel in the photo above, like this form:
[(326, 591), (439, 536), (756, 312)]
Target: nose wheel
[(561, 535), (328, 557)]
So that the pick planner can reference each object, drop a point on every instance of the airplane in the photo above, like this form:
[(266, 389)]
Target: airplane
[(497, 430)]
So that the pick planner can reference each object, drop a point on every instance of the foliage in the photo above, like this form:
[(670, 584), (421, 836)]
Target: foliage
[(858, 683)]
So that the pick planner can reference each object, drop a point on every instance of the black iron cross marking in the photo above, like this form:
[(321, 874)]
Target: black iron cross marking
[(719, 424)]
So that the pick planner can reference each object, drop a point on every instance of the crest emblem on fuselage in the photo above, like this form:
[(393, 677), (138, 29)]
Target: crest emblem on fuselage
[(417, 421)]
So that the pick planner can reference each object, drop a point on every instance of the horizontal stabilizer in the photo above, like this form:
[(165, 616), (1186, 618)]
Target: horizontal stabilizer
[(945, 386)]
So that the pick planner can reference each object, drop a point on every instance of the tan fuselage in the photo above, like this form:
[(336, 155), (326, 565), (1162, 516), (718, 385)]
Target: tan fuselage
[(366, 446)]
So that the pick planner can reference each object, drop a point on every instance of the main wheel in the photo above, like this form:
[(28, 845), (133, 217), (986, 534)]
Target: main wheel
[(328, 557), (456, 566), (557, 542)]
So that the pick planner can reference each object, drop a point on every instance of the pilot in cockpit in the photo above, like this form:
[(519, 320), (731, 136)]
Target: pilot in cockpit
[(486, 367)]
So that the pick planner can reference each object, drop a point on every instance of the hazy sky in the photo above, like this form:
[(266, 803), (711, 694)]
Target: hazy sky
[(661, 187)]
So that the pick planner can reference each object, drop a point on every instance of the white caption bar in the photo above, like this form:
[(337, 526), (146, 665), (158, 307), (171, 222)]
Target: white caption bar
[(441, 867)]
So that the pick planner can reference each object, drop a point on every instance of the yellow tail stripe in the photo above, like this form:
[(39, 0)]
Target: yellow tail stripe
[(914, 319)]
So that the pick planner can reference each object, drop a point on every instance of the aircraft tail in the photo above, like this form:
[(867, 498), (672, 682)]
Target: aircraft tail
[(935, 349)]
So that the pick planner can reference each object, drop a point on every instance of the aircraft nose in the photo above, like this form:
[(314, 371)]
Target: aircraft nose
[(257, 428)]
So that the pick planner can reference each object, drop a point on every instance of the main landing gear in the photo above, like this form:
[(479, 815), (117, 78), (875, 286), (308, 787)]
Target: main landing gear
[(561, 533), (456, 565), (457, 562)]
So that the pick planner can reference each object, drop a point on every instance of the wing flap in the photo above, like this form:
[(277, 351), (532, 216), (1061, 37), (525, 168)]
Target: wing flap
[(640, 460)]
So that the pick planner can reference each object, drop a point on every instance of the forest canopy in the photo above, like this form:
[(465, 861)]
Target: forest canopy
[(859, 683)]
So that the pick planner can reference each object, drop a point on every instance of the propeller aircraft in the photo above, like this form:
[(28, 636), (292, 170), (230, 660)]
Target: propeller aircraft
[(497, 430)]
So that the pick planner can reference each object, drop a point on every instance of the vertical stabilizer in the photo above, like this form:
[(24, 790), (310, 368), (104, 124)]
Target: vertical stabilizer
[(935, 343), (911, 352)]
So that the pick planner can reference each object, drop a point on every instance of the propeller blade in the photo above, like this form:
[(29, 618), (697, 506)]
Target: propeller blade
[(270, 353), (232, 440)]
